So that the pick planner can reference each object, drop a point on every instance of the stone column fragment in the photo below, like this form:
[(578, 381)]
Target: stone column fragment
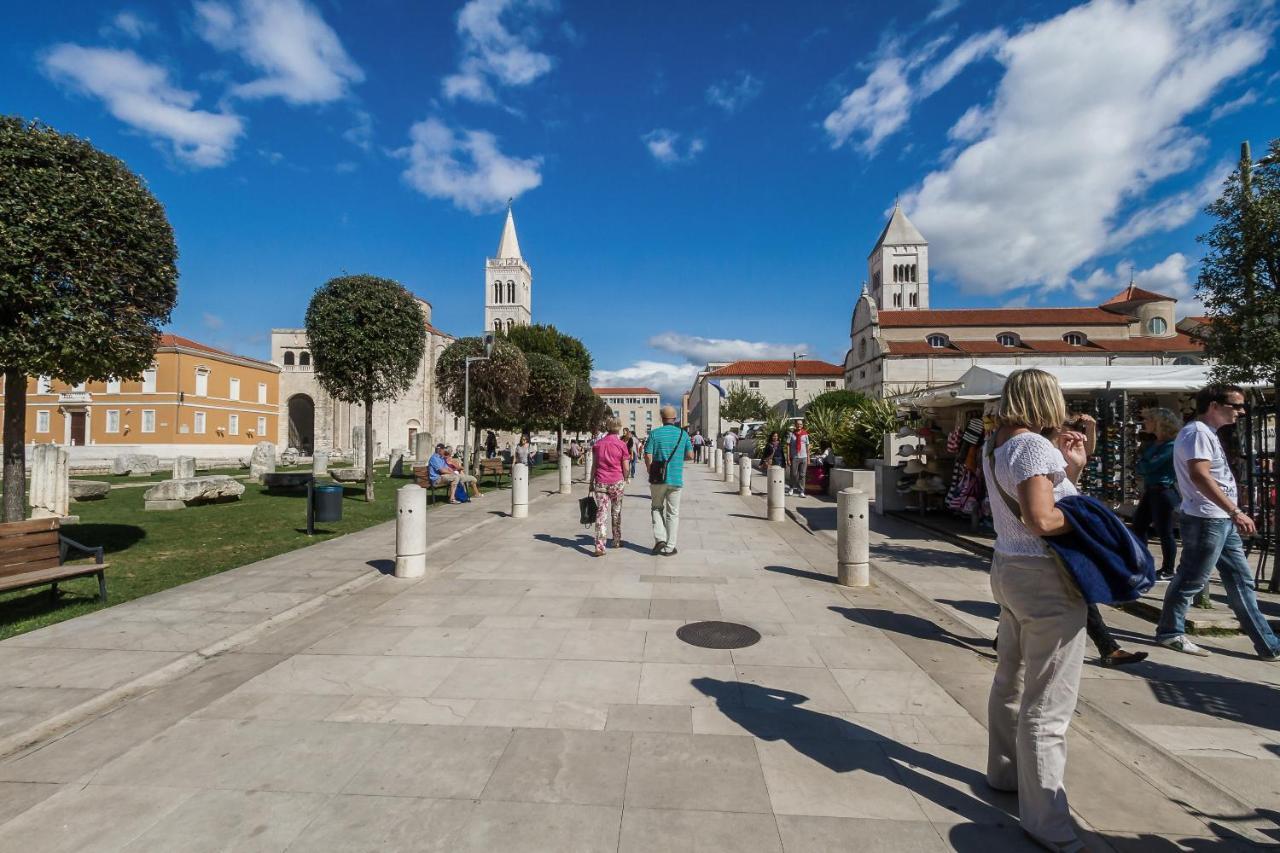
[(50, 489)]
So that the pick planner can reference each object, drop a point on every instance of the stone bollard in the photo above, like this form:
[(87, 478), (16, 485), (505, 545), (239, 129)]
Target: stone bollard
[(566, 474), (726, 466), (519, 490), (777, 493), (744, 476), (411, 531), (586, 464), (715, 459), (852, 538), (319, 463)]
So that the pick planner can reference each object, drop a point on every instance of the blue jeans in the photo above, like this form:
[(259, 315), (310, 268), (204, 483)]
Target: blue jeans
[(1209, 542)]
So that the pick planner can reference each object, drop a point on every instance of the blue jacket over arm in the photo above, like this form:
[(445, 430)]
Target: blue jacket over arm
[(1107, 561)]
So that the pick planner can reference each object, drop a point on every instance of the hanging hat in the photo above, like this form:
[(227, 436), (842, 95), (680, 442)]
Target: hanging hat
[(908, 450), (915, 466), (904, 431)]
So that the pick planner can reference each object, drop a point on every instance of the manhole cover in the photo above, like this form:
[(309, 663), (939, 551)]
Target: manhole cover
[(718, 635)]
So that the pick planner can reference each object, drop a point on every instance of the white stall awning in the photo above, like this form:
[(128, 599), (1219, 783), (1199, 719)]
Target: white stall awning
[(986, 382)]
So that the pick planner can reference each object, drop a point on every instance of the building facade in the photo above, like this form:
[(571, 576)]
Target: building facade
[(636, 408), (508, 283), (772, 379), (194, 400), (898, 344)]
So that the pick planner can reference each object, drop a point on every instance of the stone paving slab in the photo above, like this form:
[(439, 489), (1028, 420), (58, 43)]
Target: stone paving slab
[(525, 695)]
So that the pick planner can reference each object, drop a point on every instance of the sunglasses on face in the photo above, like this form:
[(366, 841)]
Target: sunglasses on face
[(1239, 407)]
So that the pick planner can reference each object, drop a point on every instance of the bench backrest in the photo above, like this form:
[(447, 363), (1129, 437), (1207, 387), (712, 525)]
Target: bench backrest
[(28, 546), (492, 465)]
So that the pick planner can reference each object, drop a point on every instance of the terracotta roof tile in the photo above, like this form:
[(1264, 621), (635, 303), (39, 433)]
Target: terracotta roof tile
[(804, 367), (1180, 342), (1009, 317), (1137, 294), (169, 340)]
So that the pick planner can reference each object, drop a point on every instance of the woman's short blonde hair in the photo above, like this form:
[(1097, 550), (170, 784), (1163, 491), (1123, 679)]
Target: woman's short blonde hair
[(613, 425), (1032, 399), (1166, 422)]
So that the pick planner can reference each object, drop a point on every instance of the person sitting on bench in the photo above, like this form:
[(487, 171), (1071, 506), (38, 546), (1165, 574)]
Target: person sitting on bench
[(442, 469)]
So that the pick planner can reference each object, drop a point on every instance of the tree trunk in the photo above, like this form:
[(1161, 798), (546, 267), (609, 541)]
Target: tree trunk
[(475, 451), (368, 450), (15, 460)]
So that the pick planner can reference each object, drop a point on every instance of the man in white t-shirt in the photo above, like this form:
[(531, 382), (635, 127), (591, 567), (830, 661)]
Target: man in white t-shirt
[(1211, 523), (730, 440)]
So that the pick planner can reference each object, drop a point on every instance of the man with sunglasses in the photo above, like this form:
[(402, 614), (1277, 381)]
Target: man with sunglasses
[(1212, 524)]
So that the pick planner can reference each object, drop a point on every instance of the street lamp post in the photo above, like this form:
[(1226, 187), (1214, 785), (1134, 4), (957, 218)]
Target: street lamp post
[(795, 356), (466, 395)]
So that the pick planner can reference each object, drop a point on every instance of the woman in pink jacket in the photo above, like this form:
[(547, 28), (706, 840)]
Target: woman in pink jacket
[(609, 463)]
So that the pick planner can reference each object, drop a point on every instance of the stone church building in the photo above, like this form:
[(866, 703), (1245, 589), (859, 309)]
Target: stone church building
[(311, 419), (899, 345)]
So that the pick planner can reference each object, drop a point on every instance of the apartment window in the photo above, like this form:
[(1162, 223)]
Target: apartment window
[(199, 423), (42, 420), (831, 383), (233, 424), (262, 392), (753, 383), (113, 420), (937, 341), (791, 383), (113, 386), (233, 389), (202, 382), (262, 427), (148, 420), (149, 381)]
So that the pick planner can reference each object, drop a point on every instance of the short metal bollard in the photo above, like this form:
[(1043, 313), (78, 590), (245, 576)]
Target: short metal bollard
[(744, 476), (566, 474), (726, 466), (777, 493), (519, 490), (411, 531), (853, 553)]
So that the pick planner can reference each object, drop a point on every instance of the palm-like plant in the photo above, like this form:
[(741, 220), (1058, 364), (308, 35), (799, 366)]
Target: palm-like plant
[(860, 437)]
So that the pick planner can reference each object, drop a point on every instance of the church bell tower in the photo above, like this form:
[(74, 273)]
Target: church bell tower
[(508, 283), (898, 266)]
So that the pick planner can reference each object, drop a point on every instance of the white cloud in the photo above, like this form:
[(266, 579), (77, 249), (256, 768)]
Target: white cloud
[(139, 94), (732, 95), (1085, 120), (465, 167), (944, 8), (665, 146), (1171, 277), (1248, 98), (493, 53), (211, 321), (702, 350), (669, 380), (301, 57), (360, 134), (128, 24), (1171, 212), (881, 106)]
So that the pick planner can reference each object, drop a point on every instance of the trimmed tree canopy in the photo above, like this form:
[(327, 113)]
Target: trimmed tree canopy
[(497, 385), (548, 340), (589, 409), (742, 404), (549, 396)]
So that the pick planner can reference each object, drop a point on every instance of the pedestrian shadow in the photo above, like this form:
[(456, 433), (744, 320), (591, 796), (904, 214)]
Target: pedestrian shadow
[(981, 609), (845, 747), (583, 543), (801, 573), (911, 625)]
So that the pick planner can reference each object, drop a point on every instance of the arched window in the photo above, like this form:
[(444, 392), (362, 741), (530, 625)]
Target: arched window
[(894, 270), (937, 341), (305, 358), (1075, 339), (1007, 339), (862, 349), (1157, 326), (914, 300), (497, 291), (913, 273), (288, 358), (510, 324), (897, 300), (497, 326), (875, 280), (511, 291)]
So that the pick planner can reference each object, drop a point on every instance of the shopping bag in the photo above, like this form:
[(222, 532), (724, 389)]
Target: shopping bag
[(587, 510), (460, 492)]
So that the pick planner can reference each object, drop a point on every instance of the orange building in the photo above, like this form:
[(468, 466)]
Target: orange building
[(195, 400)]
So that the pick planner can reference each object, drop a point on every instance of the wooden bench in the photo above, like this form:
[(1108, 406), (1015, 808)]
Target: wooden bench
[(423, 479), (33, 553), (496, 468)]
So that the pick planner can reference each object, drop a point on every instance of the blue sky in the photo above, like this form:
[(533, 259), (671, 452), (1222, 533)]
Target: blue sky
[(693, 181)]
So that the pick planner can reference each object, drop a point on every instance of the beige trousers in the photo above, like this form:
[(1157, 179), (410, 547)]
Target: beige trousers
[(1037, 681)]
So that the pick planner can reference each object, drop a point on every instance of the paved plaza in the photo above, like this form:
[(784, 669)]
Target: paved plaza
[(526, 696)]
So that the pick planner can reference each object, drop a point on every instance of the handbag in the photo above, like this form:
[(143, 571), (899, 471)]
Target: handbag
[(587, 510), (460, 494), (658, 470)]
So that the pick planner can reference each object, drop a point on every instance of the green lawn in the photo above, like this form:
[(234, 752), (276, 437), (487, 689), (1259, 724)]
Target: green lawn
[(152, 551)]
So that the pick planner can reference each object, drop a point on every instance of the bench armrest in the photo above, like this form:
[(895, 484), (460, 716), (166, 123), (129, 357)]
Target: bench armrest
[(66, 543)]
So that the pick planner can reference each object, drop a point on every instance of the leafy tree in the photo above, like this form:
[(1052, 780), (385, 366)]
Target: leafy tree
[(1240, 275), (548, 399), (589, 410), (742, 404), (497, 385), (839, 398), (548, 340), (367, 336), (88, 273)]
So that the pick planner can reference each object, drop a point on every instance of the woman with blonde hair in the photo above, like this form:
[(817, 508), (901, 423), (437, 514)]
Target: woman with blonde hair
[(1160, 499), (1031, 462), (609, 462)]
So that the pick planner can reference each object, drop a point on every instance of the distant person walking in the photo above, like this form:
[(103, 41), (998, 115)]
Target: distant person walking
[(1211, 524), (730, 440), (799, 448), (609, 460), (698, 442), (1160, 499), (775, 453), (633, 450), (665, 453), (491, 445)]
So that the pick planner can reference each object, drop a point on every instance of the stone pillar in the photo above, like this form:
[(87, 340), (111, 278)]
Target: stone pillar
[(587, 459), (566, 474), (319, 463), (744, 476), (263, 460), (411, 531), (714, 458), (184, 467), (777, 493), (852, 538), (50, 490), (519, 490), (357, 446), (726, 466), (424, 446)]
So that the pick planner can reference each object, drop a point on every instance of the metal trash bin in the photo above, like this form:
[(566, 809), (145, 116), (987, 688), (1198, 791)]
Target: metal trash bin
[(327, 502)]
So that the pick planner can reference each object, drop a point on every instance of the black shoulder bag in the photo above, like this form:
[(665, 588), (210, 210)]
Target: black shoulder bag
[(658, 470)]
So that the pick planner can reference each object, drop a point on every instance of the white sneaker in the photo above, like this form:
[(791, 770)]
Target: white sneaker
[(1182, 644)]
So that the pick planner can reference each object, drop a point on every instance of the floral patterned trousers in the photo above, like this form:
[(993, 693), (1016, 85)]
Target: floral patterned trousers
[(608, 507)]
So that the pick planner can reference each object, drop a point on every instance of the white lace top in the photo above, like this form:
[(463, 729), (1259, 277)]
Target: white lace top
[(1020, 458)]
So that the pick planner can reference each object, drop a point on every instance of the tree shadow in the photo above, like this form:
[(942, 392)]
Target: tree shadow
[(911, 625), (584, 543), (112, 537)]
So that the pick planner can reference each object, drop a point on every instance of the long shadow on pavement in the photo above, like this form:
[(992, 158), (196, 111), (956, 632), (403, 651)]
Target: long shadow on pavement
[(583, 543), (913, 626)]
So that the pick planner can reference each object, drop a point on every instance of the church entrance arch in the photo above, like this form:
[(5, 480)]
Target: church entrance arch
[(302, 423)]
